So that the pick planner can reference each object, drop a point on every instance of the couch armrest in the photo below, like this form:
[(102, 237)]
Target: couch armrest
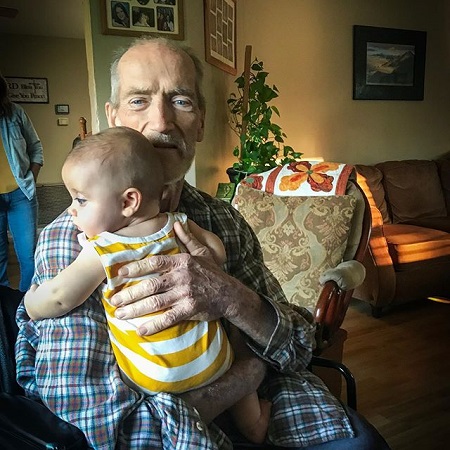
[(329, 313), (347, 275), (380, 282)]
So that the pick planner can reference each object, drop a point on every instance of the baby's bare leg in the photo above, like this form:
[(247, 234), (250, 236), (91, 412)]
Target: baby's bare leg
[(252, 416)]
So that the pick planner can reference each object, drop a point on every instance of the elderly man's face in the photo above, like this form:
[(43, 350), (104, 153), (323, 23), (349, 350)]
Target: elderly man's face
[(157, 97)]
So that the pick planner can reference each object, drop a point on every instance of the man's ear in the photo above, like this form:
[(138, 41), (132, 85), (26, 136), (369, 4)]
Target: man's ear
[(111, 115), (131, 202), (201, 129)]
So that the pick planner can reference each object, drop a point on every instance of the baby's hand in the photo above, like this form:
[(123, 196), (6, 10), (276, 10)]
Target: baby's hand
[(193, 247), (29, 294), (30, 297)]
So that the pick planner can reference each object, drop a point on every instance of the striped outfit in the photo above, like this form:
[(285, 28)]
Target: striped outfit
[(183, 357)]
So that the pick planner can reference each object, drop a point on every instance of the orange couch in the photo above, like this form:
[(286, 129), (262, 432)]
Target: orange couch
[(409, 249)]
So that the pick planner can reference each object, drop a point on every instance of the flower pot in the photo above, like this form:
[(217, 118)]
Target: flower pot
[(235, 176)]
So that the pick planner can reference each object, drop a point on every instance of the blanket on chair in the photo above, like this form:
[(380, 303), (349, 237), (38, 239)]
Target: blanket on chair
[(303, 178)]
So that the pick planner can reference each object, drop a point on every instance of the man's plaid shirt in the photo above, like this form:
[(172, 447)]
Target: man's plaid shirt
[(68, 362)]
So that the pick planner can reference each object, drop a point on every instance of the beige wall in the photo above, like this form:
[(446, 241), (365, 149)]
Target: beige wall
[(63, 63), (306, 46)]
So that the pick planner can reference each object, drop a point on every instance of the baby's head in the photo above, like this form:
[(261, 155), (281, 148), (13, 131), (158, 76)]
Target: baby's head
[(103, 173)]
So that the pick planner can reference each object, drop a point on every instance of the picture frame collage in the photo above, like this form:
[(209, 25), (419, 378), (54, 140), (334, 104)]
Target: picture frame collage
[(137, 17), (220, 34)]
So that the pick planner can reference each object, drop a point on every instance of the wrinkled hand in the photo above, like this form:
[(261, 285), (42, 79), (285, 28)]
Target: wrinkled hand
[(190, 286)]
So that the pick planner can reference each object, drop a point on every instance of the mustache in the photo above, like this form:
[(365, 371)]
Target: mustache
[(165, 140)]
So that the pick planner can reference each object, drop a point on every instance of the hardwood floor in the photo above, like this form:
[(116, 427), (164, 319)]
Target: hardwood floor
[(401, 363)]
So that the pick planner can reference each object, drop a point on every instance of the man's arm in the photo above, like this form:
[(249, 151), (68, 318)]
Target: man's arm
[(251, 299), (254, 311), (69, 289)]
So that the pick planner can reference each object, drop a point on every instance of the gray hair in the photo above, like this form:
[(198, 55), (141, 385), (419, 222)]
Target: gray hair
[(115, 80)]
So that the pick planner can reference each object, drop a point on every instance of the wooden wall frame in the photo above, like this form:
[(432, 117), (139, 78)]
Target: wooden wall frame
[(220, 34)]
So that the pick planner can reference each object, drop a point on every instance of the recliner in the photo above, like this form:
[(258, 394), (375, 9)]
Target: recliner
[(313, 222)]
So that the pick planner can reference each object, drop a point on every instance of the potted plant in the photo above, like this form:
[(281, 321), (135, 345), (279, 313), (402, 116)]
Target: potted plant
[(261, 140)]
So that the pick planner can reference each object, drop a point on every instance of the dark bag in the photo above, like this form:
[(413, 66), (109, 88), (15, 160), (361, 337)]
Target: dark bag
[(9, 301), (24, 423), (29, 425)]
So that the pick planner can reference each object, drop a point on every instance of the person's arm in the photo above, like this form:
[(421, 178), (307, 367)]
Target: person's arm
[(195, 289), (69, 289), (35, 168), (34, 146), (242, 379), (252, 299)]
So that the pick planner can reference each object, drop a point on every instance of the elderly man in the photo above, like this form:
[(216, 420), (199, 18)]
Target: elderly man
[(68, 362)]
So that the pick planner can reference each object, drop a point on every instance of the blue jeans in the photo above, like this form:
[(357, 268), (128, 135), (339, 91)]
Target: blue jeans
[(19, 215), (366, 438)]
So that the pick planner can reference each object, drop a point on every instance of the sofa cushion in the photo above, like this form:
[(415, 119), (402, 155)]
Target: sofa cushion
[(410, 246), (436, 223), (371, 180), (413, 189), (301, 237)]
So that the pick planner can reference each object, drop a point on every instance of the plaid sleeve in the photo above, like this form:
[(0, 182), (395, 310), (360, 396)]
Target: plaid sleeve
[(57, 247)]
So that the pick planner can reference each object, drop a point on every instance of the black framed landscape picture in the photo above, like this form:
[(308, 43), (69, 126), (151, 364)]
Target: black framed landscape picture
[(388, 63)]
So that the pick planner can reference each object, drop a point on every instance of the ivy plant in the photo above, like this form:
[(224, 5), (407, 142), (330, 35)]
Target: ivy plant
[(261, 140)]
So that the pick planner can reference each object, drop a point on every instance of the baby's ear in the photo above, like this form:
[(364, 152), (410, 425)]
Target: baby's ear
[(131, 201)]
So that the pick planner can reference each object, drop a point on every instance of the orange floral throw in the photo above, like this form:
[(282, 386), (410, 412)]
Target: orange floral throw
[(303, 178), (301, 236)]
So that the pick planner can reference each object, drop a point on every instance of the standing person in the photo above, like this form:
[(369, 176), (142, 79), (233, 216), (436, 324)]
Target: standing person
[(21, 158), (116, 181), (155, 89)]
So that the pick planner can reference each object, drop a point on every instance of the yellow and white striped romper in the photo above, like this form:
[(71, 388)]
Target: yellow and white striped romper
[(183, 357)]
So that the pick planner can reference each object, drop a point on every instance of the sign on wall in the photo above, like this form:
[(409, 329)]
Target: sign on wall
[(27, 90)]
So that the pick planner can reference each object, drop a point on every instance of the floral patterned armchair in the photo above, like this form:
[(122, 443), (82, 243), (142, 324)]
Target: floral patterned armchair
[(313, 223)]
